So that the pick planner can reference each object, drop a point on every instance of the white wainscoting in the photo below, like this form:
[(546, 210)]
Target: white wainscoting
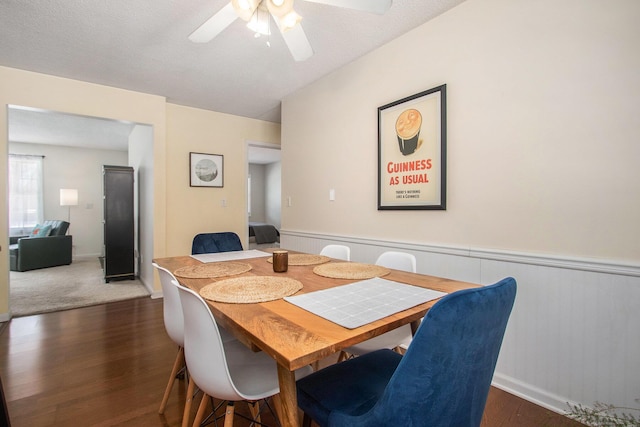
[(574, 333)]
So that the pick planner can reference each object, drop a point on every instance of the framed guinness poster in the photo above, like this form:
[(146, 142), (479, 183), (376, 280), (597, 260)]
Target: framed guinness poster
[(412, 154)]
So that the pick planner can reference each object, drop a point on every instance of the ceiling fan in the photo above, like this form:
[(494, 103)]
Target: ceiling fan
[(257, 13)]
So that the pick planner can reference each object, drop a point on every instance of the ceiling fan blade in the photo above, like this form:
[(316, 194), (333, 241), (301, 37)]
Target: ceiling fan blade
[(297, 42), (214, 25), (373, 6)]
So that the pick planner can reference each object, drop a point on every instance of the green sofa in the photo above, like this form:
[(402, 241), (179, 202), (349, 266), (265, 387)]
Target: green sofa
[(30, 253)]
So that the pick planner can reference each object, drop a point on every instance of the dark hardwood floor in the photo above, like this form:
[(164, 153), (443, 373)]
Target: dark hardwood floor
[(108, 365)]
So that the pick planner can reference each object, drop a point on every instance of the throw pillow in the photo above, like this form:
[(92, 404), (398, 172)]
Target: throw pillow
[(35, 231), (45, 231), (41, 231)]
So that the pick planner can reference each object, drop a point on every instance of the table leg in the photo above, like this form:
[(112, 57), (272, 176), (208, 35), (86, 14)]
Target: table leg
[(288, 398)]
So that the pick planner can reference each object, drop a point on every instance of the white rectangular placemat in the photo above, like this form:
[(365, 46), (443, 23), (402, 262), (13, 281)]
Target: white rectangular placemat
[(363, 302), (230, 256)]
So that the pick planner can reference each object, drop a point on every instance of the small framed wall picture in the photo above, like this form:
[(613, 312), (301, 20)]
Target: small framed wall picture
[(412, 152), (206, 170)]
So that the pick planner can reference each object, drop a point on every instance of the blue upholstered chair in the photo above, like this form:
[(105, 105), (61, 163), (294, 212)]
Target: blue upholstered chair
[(442, 380), (206, 243)]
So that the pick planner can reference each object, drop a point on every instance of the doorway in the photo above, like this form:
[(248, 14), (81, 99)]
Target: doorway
[(263, 192), (75, 147)]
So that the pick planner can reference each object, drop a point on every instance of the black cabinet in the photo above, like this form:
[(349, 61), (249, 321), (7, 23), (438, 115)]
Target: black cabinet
[(119, 227)]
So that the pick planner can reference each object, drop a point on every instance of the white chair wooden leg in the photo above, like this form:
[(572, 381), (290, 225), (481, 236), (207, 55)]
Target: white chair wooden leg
[(229, 414), (177, 365), (188, 402), (343, 356), (400, 350), (203, 407), (254, 408)]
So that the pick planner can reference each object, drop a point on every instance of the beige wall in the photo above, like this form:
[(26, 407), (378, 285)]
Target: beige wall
[(193, 210), (140, 145), (273, 196), (258, 192), (542, 104)]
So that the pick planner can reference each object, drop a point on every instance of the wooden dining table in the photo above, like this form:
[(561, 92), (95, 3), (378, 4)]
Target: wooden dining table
[(294, 337)]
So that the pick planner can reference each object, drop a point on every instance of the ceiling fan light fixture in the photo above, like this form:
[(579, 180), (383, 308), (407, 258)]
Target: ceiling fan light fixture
[(259, 22), (245, 8), (279, 8), (289, 21), (257, 14)]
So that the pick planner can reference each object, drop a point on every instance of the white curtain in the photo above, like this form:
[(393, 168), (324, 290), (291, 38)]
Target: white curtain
[(25, 193)]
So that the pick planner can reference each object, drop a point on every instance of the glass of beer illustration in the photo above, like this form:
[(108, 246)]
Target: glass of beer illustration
[(408, 130)]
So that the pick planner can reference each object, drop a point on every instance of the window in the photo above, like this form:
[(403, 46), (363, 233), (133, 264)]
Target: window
[(25, 193)]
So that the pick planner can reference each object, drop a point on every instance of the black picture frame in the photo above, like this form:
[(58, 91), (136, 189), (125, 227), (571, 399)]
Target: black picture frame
[(206, 170), (412, 152)]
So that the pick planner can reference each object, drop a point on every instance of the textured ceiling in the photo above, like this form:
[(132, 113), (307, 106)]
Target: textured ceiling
[(142, 45), (34, 126)]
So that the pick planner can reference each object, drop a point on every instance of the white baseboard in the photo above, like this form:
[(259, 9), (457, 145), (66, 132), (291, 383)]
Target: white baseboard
[(532, 394), (85, 257)]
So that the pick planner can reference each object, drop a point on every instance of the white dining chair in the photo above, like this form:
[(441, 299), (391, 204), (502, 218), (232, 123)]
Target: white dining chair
[(398, 261), (337, 251), (174, 325), (397, 339), (227, 371)]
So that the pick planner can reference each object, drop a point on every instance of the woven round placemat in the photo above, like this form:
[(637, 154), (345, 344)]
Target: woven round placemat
[(304, 259), (212, 270), (350, 270), (246, 290)]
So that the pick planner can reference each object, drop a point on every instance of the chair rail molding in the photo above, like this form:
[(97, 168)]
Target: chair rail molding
[(573, 263)]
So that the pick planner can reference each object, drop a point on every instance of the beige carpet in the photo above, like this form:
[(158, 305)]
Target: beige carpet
[(80, 284)]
